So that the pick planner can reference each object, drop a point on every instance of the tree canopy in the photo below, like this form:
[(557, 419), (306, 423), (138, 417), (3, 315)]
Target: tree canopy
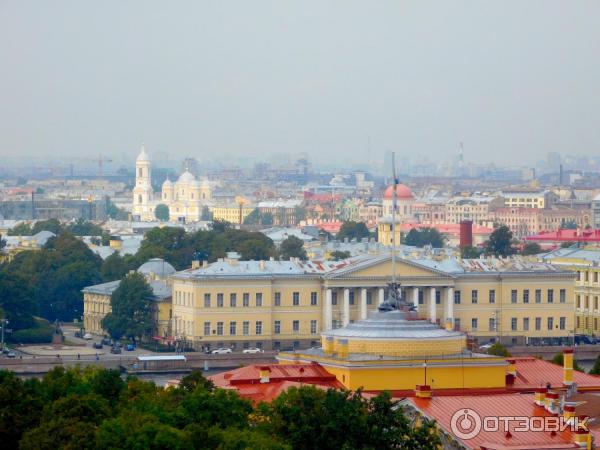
[(500, 242), (131, 305), (352, 230), (292, 247), (162, 212), (531, 248), (338, 255), (424, 236)]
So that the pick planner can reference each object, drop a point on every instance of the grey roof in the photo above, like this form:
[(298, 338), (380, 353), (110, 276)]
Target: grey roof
[(392, 325), (592, 256), (158, 267), (160, 289)]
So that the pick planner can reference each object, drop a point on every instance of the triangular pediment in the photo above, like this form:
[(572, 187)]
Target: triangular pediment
[(382, 267)]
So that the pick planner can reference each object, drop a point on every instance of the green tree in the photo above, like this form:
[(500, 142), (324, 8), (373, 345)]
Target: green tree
[(498, 349), (469, 252), (114, 212), (253, 218), (2, 242), (500, 242), (16, 300), (255, 249), (131, 305), (338, 255), (558, 359), (266, 219), (52, 225), (531, 248), (352, 230), (424, 236), (22, 229), (161, 212), (83, 228), (292, 247), (595, 370), (113, 268)]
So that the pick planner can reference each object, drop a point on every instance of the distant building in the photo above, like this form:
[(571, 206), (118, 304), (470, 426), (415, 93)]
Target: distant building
[(475, 208), (528, 198), (282, 211)]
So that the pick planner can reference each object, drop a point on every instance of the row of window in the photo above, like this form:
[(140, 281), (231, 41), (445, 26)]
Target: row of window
[(586, 321), (584, 276), (514, 296), (514, 324), (258, 328), (187, 299), (351, 298)]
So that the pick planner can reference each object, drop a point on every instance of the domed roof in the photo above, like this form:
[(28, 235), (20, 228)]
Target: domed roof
[(168, 183), (403, 192), (186, 177), (157, 266), (143, 156)]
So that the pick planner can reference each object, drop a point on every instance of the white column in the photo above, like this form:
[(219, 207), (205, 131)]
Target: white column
[(449, 306), (346, 313), (432, 305), (415, 298), (363, 303), (327, 325), (381, 295)]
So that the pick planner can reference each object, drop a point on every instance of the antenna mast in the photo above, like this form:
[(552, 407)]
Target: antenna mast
[(394, 206)]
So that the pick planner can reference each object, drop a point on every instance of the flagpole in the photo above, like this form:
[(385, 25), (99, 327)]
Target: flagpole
[(394, 206)]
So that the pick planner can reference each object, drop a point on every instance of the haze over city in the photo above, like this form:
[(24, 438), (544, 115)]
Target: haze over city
[(340, 81)]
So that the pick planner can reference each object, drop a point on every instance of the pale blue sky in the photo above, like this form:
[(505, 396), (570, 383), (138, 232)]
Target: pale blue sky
[(512, 79)]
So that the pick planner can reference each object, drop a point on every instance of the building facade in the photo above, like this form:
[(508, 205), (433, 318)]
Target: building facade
[(287, 304)]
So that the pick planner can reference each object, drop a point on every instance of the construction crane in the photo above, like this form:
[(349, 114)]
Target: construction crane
[(101, 160)]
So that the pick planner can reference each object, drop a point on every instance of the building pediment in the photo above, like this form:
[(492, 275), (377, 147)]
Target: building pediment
[(382, 267)]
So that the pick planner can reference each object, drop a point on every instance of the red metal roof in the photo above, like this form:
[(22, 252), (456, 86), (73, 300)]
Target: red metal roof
[(533, 373), (442, 410), (566, 236)]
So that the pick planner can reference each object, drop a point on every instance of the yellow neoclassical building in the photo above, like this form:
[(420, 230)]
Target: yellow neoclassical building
[(288, 304), (96, 299), (585, 263)]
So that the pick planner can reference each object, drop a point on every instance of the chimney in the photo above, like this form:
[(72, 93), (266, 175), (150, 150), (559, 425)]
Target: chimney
[(423, 391), (195, 264), (540, 396), (582, 438), (466, 234), (552, 405), (204, 264), (568, 367), (511, 371), (264, 373), (261, 264), (569, 413)]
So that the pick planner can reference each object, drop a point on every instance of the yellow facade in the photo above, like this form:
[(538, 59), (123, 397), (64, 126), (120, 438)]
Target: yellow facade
[(231, 213), (293, 308)]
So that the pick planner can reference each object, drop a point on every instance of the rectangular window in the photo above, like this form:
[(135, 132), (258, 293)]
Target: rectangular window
[(351, 297), (334, 298), (219, 300), (258, 327), (457, 297), (578, 321), (492, 324), (277, 299), (259, 299), (525, 323), (246, 328), (438, 297), (206, 328), (550, 323), (474, 296), (220, 328), (492, 296), (538, 323), (233, 300), (296, 299), (421, 298), (550, 295), (562, 323), (563, 294), (538, 296), (457, 324), (369, 298), (474, 324), (525, 295), (277, 327), (245, 299), (296, 326), (513, 296), (313, 327), (313, 299), (513, 324), (232, 328), (207, 300)]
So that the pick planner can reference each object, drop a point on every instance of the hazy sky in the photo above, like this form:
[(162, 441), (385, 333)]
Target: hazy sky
[(513, 80)]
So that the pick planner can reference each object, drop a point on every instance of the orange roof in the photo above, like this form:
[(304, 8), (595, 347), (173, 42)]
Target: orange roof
[(513, 405), (403, 192), (247, 381), (534, 373)]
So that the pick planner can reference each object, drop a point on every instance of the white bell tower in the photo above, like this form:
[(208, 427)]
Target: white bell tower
[(143, 201)]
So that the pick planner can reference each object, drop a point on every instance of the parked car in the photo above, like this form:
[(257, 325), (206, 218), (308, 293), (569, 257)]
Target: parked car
[(485, 347), (130, 347), (253, 350), (221, 351), (87, 336), (97, 345), (116, 350), (11, 355), (107, 341), (6, 350)]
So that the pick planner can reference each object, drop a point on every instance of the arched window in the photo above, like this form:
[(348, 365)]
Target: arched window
[(140, 172), (203, 195), (140, 198)]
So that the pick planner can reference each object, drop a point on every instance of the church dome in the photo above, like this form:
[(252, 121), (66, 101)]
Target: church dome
[(167, 183), (186, 177), (158, 267), (403, 192), (143, 156)]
